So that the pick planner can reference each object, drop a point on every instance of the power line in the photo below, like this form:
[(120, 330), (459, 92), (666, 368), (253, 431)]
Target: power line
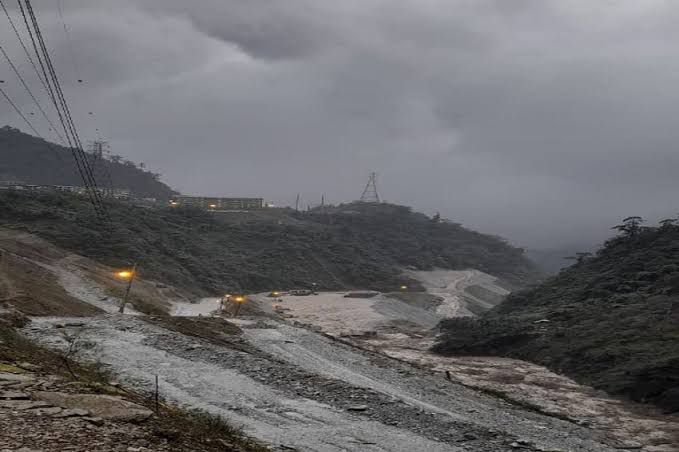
[(23, 46), (52, 96), (76, 72), (68, 38), (30, 126), (9, 100), (59, 101), (23, 82)]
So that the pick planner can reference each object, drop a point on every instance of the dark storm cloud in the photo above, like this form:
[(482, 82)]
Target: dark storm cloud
[(544, 121)]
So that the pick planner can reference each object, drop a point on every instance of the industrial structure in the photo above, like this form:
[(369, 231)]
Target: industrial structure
[(370, 191), (218, 204), (116, 193), (99, 150)]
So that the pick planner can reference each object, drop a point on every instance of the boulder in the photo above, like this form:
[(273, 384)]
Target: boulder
[(357, 408), (12, 317), (98, 405), (669, 400)]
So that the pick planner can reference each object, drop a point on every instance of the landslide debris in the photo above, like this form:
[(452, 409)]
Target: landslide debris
[(610, 321), (42, 407)]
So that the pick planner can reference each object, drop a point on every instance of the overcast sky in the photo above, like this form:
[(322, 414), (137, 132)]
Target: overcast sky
[(541, 121)]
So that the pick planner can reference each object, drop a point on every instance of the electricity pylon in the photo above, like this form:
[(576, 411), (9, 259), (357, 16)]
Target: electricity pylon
[(370, 191)]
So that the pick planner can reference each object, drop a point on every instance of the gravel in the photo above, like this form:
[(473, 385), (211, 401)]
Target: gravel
[(301, 389)]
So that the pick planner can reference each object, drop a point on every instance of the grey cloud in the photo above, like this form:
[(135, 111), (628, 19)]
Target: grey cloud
[(544, 121)]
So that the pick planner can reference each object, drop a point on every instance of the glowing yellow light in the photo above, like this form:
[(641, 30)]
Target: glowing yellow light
[(213, 206), (239, 299), (404, 287), (275, 293), (125, 274)]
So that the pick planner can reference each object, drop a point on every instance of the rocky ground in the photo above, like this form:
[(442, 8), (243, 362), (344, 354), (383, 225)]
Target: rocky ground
[(404, 334), (319, 373), (42, 412), (295, 388)]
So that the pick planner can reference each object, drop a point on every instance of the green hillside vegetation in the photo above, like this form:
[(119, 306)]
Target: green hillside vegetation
[(32, 160), (356, 246), (610, 320)]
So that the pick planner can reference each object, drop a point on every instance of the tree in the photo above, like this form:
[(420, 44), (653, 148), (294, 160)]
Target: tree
[(116, 158), (436, 218), (630, 226), (667, 223)]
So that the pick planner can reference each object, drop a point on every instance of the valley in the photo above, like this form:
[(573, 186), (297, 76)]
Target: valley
[(325, 372)]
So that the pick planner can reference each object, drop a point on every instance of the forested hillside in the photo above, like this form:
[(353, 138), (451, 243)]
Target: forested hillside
[(356, 246), (32, 160), (610, 320)]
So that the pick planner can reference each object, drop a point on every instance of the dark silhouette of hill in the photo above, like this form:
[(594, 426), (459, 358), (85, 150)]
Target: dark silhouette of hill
[(610, 320), (355, 246), (33, 160)]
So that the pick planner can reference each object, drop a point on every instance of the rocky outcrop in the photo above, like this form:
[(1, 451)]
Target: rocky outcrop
[(100, 405), (12, 317)]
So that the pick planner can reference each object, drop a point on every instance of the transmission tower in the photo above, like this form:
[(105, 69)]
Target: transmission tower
[(100, 150), (370, 191)]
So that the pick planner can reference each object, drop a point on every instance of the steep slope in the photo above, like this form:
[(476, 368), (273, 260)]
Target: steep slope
[(32, 160), (412, 239), (611, 320), (198, 252)]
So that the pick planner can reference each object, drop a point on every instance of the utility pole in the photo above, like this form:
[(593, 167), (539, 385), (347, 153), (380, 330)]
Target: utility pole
[(127, 290), (297, 203), (156, 395)]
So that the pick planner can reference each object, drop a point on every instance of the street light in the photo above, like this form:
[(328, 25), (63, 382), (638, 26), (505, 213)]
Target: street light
[(129, 276), (124, 274), (239, 300), (404, 287)]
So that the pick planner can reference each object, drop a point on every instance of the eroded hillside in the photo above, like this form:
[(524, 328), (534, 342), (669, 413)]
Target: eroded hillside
[(611, 320)]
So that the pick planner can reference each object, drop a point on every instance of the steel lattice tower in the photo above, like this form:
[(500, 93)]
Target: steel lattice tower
[(100, 150), (370, 191)]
